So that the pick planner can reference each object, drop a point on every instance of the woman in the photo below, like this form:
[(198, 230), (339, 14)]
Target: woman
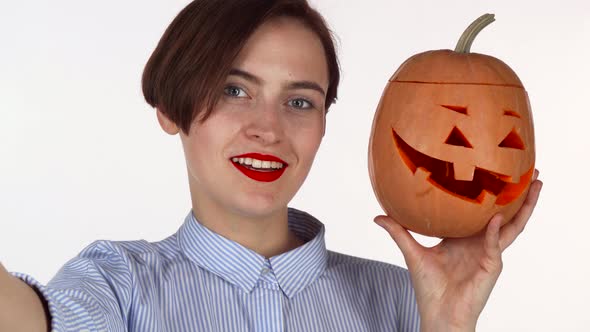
[(246, 85)]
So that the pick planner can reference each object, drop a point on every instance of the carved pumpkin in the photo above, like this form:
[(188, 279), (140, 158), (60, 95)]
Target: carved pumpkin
[(452, 141)]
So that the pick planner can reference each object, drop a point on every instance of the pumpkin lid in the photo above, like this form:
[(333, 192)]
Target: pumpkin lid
[(446, 66)]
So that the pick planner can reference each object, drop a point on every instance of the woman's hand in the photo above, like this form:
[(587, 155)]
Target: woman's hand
[(454, 279)]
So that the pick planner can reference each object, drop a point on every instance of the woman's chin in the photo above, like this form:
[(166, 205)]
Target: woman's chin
[(261, 206)]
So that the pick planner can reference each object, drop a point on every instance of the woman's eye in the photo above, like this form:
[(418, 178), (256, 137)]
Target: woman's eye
[(300, 103), (234, 91)]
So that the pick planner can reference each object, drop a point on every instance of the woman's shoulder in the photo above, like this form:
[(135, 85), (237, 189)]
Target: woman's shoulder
[(131, 252), (365, 268), (371, 282), (336, 259)]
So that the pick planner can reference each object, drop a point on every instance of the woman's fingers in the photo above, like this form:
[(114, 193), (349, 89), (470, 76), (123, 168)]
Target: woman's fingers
[(492, 237), (510, 231), (493, 252)]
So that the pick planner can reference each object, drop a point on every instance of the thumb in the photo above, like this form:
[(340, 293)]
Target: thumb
[(404, 240)]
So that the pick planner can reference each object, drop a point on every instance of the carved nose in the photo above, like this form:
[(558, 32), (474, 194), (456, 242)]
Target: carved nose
[(457, 138)]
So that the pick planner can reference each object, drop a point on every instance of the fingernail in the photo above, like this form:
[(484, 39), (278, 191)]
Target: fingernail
[(379, 222)]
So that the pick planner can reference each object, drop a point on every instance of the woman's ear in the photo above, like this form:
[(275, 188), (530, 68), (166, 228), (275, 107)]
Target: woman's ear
[(167, 125)]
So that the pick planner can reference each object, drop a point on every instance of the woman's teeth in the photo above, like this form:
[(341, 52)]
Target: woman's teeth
[(255, 163)]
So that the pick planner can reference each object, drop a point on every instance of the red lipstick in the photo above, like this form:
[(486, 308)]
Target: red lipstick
[(263, 175)]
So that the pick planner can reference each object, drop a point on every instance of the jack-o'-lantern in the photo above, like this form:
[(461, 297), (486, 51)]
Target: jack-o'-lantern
[(452, 141)]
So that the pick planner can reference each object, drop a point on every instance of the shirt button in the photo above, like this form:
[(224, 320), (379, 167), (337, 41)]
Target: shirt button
[(264, 271)]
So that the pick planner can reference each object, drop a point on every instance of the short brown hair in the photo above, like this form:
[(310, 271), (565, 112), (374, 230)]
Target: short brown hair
[(185, 74)]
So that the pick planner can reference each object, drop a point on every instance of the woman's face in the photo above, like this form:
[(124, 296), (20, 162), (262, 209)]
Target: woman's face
[(253, 153)]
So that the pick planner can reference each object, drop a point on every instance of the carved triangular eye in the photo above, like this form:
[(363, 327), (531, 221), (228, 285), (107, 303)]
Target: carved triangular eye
[(512, 141), (457, 138)]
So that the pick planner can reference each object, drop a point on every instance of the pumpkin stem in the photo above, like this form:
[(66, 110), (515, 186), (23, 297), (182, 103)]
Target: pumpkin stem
[(467, 38)]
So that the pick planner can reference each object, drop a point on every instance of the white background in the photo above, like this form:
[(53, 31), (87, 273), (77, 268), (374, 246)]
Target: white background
[(83, 158)]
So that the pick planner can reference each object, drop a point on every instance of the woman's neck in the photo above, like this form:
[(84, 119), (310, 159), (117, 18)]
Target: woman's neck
[(268, 235)]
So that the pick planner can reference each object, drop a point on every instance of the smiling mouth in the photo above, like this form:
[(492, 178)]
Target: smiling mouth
[(442, 175), (258, 167)]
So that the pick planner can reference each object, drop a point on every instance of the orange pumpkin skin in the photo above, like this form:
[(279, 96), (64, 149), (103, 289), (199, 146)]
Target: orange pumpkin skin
[(452, 143)]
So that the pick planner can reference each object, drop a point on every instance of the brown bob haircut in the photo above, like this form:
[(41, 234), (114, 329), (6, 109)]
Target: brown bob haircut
[(185, 74)]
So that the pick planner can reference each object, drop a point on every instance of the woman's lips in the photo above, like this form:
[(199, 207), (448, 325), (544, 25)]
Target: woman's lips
[(269, 168)]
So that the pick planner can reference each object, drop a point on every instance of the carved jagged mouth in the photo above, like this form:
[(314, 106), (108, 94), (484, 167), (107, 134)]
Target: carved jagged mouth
[(442, 176)]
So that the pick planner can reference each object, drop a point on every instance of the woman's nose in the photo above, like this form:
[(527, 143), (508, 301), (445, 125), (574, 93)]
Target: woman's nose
[(266, 127)]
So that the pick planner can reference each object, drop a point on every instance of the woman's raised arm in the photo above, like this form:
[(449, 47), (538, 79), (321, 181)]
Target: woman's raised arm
[(21, 309)]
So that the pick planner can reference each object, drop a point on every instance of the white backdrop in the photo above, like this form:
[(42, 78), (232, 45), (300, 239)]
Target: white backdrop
[(83, 158)]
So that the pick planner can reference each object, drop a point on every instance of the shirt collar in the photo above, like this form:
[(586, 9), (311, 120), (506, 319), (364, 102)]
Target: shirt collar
[(242, 267)]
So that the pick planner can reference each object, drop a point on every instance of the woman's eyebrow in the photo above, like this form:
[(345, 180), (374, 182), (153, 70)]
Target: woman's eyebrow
[(306, 85), (290, 86), (245, 75)]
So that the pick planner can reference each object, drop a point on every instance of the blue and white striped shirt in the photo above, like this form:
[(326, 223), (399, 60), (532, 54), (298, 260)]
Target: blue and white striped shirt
[(197, 280)]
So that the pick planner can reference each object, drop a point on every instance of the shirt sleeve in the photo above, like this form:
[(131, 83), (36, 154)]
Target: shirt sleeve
[(91, 292)]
